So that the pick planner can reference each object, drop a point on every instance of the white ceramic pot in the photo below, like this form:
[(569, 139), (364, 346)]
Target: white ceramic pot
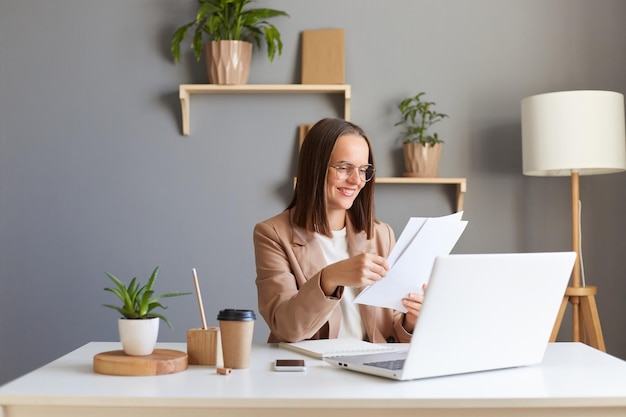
[(138, 336)]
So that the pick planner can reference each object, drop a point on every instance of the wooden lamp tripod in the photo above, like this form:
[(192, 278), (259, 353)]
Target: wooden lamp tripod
[(575, 133), (582, 298)]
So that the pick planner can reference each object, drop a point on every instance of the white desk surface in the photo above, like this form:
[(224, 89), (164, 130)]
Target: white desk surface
[(573, 379)]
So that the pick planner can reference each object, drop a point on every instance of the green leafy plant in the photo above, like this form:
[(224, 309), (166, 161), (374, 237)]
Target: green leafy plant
[(417, 117), (138, 302), (227, 20)]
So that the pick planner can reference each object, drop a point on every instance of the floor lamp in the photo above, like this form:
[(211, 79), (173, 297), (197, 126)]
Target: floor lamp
[(573, 133)]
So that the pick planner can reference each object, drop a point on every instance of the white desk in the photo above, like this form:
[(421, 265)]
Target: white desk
[(575, 380)]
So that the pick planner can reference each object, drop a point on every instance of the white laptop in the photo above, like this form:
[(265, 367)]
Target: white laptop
[(480, 312)]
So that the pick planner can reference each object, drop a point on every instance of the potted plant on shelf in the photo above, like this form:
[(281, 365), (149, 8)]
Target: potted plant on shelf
[(231, 30), (422, 151), (139, 325)]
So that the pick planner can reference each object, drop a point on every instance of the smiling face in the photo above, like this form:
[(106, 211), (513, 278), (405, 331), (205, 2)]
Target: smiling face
[(340, 194)]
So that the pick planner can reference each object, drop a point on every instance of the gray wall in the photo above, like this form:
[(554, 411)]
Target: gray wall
[(95, 175)]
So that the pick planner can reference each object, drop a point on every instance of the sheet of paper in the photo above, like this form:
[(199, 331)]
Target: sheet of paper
[(432, 237), (411, 230)]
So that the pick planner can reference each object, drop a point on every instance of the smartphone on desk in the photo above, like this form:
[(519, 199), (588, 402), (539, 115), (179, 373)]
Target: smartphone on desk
[(289, 365)]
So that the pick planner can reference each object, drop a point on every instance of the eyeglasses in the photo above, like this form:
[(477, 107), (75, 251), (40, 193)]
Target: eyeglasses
[(345, 170)]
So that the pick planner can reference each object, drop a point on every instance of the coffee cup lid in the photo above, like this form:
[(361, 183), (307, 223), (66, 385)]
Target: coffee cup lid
[(231, 314)]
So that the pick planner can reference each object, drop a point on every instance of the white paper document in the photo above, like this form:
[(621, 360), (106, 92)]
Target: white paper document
[(412, 258)]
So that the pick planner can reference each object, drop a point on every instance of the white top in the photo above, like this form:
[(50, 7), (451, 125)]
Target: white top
[(573, 377), (335, 249)]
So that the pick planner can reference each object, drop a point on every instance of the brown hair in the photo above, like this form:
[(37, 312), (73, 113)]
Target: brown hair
[(309, 196)]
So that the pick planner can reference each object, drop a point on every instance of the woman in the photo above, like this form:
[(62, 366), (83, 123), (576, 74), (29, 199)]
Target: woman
[(314, 258)]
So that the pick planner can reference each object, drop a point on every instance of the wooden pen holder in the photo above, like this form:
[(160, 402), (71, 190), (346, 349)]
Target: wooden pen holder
[(204, 346)]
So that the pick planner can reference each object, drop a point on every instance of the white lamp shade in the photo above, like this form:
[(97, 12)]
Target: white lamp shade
[(573, 131)]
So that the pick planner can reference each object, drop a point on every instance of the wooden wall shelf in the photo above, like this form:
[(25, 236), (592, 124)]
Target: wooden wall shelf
[(461, 185), (185, 90)]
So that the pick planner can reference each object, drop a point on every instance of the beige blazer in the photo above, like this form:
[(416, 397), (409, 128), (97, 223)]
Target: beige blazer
[(289, 261)]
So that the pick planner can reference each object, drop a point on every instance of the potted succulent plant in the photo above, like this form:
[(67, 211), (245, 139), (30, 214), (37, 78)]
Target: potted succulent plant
[(231, 30), (422, 151), (139, 325)]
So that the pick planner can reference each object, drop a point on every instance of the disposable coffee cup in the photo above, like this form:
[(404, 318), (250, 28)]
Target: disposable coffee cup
[(236, 328)]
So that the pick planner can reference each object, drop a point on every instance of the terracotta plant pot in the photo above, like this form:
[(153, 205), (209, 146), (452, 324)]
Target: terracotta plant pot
[(228, 62), (421, 161)]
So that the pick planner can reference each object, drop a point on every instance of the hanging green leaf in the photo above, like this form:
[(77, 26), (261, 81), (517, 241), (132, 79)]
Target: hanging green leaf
[(230, 20)]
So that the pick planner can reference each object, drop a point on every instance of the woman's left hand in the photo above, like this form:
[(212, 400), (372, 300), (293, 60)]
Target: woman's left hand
[(413, 304)]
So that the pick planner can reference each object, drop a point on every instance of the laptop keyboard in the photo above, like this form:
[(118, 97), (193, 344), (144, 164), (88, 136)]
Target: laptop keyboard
[(394, 365)]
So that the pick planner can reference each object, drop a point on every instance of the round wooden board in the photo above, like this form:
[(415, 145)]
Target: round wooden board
[(160, 362)]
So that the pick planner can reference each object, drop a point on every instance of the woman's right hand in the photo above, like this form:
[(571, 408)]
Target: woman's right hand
[(357, 271)]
